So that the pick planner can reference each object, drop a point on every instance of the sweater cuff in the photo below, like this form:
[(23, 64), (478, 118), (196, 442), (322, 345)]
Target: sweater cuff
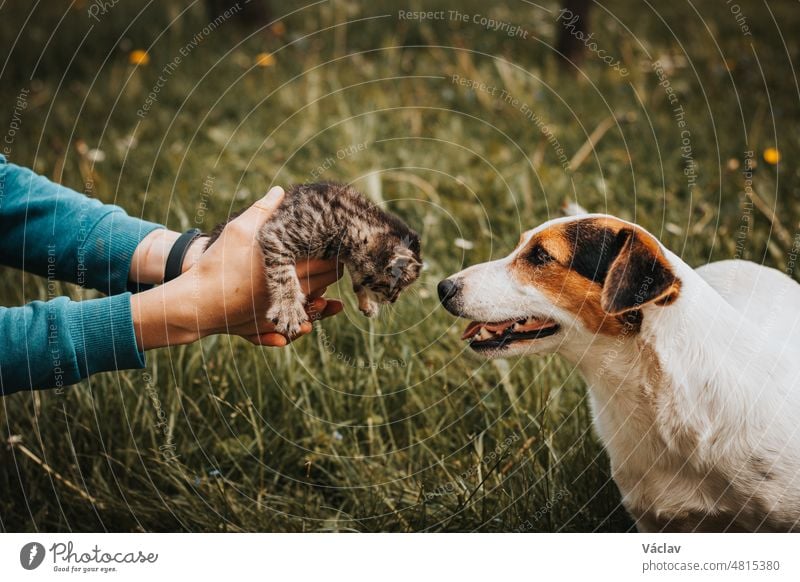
[(103, 336), (111, 243)]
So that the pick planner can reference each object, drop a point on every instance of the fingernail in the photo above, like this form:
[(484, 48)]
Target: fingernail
[(274, 194)]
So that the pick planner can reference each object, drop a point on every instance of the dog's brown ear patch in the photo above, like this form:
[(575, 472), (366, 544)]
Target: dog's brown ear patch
[(639, 275)]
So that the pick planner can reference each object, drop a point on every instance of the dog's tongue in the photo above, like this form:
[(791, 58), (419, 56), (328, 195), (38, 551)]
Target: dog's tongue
[(471, 330)]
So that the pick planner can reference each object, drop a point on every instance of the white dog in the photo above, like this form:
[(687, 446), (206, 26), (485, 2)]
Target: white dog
[(694, 375)]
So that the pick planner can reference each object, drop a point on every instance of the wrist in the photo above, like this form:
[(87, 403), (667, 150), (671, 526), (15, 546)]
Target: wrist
[(194, 252), (163, 316), (150, 257)]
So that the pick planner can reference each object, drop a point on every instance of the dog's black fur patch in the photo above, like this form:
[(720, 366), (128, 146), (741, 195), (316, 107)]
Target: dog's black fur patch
[(594, 248), (620, 261)]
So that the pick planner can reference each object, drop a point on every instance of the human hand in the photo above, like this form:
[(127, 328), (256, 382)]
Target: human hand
[(224, 290)]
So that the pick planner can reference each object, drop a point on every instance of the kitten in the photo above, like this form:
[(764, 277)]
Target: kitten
[(334, 221)]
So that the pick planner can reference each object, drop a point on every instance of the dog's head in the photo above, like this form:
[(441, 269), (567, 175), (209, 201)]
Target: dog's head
[(568, 281)]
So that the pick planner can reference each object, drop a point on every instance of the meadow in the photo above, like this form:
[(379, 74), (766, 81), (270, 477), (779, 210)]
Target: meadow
[(469, 128)]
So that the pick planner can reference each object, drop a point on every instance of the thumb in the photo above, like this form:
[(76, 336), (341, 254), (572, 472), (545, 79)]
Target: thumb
[(261, 210)]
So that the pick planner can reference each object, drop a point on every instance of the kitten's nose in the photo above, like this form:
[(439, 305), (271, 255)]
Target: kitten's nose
[(447, 289)]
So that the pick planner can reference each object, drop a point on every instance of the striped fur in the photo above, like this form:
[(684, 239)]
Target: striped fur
[(334, 222)]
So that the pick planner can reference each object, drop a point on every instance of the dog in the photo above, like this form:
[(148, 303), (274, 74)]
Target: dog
[(693, 374)]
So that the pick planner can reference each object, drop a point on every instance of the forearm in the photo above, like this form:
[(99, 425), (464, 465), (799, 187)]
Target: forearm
[(60, 342), (53, 231)]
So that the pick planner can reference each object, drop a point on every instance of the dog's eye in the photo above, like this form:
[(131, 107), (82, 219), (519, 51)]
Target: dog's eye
[(538, 256)]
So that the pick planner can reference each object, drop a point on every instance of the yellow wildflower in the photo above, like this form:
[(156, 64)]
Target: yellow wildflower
[(265, 60), (772, 156), (139, 57), (278, 29)]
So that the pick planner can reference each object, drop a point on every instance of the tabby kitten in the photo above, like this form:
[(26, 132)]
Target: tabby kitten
[(333, 221)]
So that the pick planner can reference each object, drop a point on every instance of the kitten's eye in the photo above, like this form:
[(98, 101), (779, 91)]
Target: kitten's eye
[(538, 256)]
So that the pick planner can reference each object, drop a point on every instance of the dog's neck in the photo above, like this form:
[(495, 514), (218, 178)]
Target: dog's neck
[(657, 393), (694, 410), (698, 341)]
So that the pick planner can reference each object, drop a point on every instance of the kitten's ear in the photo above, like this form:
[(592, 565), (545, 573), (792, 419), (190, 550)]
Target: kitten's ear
[(402, 258), (414, 244)]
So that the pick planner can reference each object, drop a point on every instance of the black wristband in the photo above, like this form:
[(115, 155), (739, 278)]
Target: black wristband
[(174, 265)]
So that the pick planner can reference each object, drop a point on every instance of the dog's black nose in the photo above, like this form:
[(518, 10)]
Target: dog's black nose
[(447, 289)]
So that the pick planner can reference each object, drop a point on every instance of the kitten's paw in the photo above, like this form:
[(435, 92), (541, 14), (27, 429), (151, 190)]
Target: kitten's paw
[(370, 308), (287, 319)]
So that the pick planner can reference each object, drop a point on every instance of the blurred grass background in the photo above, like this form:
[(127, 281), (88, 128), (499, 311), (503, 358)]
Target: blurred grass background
[(385, 425)]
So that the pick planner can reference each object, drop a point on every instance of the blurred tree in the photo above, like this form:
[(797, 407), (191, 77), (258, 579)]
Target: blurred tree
[(255, 13), (568, 44)]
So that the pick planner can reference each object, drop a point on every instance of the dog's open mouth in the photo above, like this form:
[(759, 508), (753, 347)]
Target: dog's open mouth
[(493, 335)]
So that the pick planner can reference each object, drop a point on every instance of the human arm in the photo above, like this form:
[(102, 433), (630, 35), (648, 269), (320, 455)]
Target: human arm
[(223, 292), (53, 231)]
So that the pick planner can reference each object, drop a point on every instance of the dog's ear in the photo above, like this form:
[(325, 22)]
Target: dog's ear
[(639, 274)]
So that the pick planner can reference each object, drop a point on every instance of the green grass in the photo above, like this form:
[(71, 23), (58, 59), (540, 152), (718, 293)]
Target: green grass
[(387, 425)]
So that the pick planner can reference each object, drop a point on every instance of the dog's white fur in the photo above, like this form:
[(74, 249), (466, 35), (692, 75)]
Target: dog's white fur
[(700, 410)]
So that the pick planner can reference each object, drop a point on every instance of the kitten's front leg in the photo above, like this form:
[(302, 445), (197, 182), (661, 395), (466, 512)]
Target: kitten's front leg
[(287, 310), (366, 304)]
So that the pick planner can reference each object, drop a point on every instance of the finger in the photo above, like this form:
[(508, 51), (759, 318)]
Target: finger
[(311, 284), (316, 293), (270, 340), (333, 307), (275, 339), (310, 267), (258, 213), (316, 307)]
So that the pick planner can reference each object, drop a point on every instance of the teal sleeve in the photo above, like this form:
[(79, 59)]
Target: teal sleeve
[(53, 231), (50, 230), (57, 343)]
